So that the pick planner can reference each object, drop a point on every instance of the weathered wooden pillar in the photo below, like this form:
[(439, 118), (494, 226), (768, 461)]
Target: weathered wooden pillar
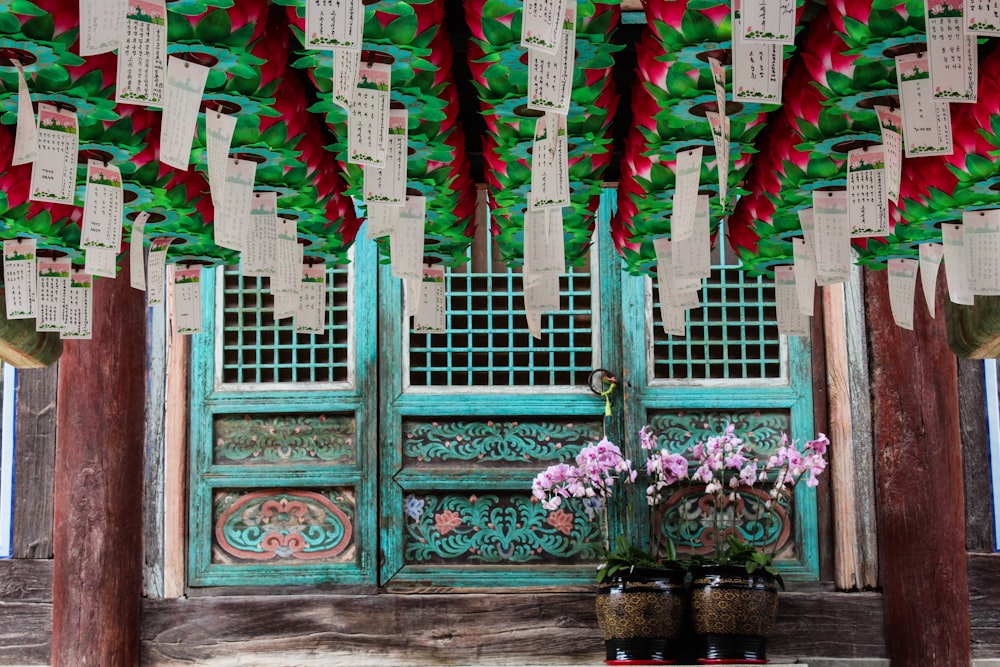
[(918, 474), (97, 573)]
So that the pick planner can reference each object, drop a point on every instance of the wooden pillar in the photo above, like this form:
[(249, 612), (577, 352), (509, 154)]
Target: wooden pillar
[(97, 573), (918, 475)]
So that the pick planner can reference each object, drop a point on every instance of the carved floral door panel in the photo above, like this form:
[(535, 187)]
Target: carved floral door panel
[(404, 459)]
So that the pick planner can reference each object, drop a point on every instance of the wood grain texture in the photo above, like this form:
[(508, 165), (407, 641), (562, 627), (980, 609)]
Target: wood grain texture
[(25, 633), (175, 465), (482, 629), (984, 605), (25, 580), (918, 474), (821, 422), (974, 331), (97, 574), (154, 478), (859, 381), (975, 457), (34, 453), (23, 347), (847, 567)]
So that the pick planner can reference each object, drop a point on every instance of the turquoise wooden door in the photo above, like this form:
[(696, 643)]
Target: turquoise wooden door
[(469, 417), (731, 367), (283, 480), (381, 456)]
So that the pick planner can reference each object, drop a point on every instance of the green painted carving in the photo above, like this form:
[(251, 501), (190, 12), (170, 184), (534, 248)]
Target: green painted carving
[(686, 518), (491, 529), (276, 439), (496, 441), (284, 525), (761, 429)]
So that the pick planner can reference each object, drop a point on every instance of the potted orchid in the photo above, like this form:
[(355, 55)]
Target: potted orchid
[(733, 591), (641, 600)]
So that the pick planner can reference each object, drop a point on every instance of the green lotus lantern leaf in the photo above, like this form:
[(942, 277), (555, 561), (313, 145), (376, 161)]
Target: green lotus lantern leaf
[(977, 168), (48, 70), (227, 62), (89, 112), (197, 7)]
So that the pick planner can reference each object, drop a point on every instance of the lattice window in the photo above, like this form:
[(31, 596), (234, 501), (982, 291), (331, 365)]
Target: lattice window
[(256, 349), (488, 344), (732, 336)]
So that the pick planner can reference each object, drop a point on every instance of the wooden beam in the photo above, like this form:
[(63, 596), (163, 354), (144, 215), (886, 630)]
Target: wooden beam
[(22, 346), (488, 628), (918, 474), (175, 437), (974, 331), (34, 451), (847, 570), (975, 457), (97, 573)]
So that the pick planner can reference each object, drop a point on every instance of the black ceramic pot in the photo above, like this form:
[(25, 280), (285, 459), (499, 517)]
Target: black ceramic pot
[(733, 613), (641, 614)]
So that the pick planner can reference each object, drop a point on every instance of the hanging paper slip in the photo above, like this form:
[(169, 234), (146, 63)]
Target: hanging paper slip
[(757, 66), (769, 21), (982, 235), (219, 129), (101, 262), (345, 77), (388, 184), (381, 220), (720, 138), (719, 81), (550, 77), (672, 316), (186, 299), (334, 24), (805, 275), (232, 218), (259, 256), (309, 316), (982, 17), (543, 296), (53, 281), (19, 278), (53, 175), (79, 306), (142, 56), (550, 164), (181, 103), (807, 224), (791, 320), (286, 296), (288, 276), (930, 261), (136, 255), (544, 246), (685, 198), (406, 243), (26, 136), (430, 317), (891, 122), (902, 285), (831, 235), (956, 264), (156, 269), (100, 26), (541, 25), (368, 117), (926, 122), (103, 207), (953, 53), (692, 255), (868, 209)]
